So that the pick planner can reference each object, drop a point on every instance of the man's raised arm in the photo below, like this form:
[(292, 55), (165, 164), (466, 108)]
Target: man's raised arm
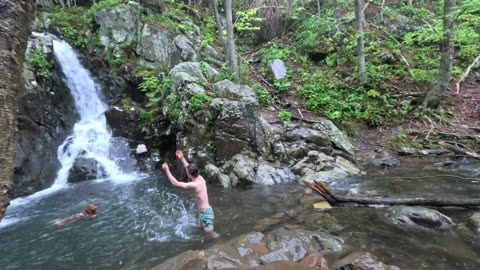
[(173, 180), (180, 156)]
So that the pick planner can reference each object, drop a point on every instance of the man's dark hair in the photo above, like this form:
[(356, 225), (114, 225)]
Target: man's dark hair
[(193, 169)]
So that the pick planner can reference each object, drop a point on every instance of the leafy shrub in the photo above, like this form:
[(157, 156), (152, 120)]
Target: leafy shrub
[(197, 102), (263, 95), (285, 116), (73, 24)]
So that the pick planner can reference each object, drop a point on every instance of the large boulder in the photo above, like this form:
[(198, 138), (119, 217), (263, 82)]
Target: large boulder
[(122, 122), (270, 174), (118, 25), (156, 47), (162, 48), (85, 169), (233, 117), (419, 217), (240, 169)]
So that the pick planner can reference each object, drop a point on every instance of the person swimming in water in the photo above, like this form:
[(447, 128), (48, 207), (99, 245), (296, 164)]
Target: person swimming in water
[(89, 212), (199, 188)]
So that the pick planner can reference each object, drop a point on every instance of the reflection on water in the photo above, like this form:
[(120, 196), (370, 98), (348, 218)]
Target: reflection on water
[(142, 223)]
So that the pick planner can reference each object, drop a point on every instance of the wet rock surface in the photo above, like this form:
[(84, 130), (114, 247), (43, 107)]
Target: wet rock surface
[(44, 120), (85, 169), (362, 261), (276, 250), (419, 217)]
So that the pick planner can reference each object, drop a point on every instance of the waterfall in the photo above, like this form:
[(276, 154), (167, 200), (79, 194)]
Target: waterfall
[(90, 137)]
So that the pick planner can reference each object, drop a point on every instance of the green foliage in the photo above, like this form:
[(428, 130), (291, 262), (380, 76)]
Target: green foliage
[(324, 94), (224, 74), (115, 60), (282, 85), (271, 52), (73, 24), (422, 112), (247, 19), (263, 95), (42, 68), (314, 31), (209, 32), (101, 4), (198, 101), (40, 63), (285, 116)]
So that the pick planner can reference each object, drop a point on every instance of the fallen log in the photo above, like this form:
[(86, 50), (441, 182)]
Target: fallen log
[(334, 199), (458, 150)]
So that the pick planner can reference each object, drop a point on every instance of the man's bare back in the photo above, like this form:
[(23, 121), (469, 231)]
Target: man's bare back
[(199, 186)]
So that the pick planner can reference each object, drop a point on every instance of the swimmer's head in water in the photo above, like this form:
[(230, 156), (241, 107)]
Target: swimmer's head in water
[(90, 210)]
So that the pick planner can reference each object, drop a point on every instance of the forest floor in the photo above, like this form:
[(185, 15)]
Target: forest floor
[(460, 126)]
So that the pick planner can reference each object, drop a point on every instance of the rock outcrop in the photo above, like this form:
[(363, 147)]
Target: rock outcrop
[(45, 118)]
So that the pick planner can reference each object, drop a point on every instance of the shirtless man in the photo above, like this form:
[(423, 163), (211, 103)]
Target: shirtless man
[(199, 188), (89, 212)]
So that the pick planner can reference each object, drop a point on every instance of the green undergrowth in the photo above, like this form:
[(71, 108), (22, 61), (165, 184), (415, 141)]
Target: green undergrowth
[(321, 61)]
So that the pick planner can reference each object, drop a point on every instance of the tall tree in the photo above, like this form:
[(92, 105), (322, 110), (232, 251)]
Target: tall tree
[(440, 85), (360, 42), (232, 52), (218, 22), (15, 22)]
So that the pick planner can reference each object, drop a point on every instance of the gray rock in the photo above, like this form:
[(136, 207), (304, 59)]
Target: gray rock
[(407, 151), (229, 90), (269, 174), (216, 175), (275, 256), (156, 47), (188, 72), (278, 69), (234, 127), (419, 217), (186, 47), (43, 123), (141, 148), (241, 168), (118, 24), (85, 169), (362, 261), (122, 122), (337, 137), (474, 222), (307, 135)]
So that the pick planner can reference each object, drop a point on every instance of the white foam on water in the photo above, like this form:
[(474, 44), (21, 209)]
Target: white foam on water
[(91, 137)]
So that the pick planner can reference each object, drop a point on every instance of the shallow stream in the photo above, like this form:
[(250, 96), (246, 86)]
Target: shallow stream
[(143, 222)]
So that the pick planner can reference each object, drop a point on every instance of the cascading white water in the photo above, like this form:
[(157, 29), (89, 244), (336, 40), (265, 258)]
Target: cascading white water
[(90, 137)]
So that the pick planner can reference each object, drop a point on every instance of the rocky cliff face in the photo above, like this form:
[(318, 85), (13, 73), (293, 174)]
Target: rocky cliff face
[(234, 139), (46, 115)]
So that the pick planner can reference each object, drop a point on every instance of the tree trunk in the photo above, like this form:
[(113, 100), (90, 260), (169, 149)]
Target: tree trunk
[(360, 43), (218, 22), (15, 22), (232, 54), (440, 85), (333, 199)]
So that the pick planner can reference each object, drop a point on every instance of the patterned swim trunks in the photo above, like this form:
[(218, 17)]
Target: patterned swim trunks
[(206, 217)]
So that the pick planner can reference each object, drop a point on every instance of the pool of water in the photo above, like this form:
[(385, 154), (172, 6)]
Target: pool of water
[(139, 224), (142, 223)]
